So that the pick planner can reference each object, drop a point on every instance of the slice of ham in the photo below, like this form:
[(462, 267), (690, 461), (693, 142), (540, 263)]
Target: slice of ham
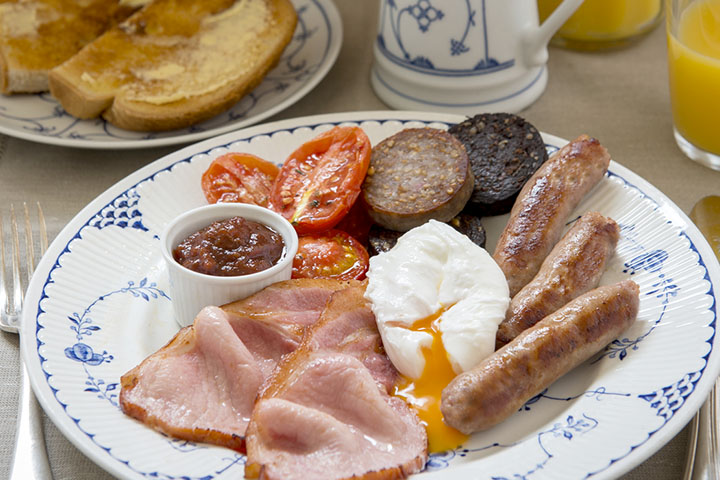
[(202, 385), (272, 322), (290, 305), (326, 412), (346, 325)]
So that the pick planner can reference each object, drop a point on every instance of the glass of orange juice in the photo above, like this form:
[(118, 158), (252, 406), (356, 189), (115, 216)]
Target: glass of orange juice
[(693, 35), (600, 24)]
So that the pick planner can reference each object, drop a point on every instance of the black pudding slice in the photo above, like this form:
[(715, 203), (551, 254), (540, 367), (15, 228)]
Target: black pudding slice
[(504, 151)]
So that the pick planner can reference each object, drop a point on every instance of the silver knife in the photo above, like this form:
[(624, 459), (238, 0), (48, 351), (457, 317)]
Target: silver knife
[(703, 461)]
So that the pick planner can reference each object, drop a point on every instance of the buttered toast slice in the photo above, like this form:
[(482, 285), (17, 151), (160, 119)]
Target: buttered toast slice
[(175, 62), (37, 35)]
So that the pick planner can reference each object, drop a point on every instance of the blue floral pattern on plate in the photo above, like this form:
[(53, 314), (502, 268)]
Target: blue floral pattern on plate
[(310, 54), (102, 308)]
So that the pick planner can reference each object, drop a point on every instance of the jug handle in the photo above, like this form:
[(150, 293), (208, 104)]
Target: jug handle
[(537, 39)]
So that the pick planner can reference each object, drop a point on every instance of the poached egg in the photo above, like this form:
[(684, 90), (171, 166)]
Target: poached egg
[(438, 299)]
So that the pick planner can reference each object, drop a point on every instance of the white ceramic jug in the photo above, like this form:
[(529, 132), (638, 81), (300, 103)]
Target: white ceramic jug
[(463, 56)]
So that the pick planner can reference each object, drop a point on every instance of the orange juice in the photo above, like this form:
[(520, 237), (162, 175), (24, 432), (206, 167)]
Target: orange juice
[(602, 23), (694, 71)]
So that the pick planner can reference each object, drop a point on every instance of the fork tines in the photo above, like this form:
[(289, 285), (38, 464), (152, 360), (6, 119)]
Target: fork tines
[(14, 278)]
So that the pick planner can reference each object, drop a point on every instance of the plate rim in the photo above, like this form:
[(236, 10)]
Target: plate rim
[(335, 24), (638, 454)]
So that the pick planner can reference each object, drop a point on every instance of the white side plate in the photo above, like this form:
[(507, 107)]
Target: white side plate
[(306, 60)]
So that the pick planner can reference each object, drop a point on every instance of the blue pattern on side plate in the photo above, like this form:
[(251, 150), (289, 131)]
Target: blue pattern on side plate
[(666, 400)]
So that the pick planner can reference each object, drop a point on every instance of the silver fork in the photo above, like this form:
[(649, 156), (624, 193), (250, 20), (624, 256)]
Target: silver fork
[(30, 459)]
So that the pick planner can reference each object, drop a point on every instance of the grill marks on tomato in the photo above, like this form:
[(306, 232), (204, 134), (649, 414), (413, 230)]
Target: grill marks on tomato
[(320, 181), (239, 178), (330, 254)]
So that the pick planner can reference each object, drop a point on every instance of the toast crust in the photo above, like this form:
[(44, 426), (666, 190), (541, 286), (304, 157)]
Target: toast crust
[(175, 62)]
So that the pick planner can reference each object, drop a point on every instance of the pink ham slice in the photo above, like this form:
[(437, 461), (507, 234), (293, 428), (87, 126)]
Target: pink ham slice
[(272, 322), (202, 385), (326, 412)]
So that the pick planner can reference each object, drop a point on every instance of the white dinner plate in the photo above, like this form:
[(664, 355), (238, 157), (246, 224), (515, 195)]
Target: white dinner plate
[(306, 60), (99, 304)]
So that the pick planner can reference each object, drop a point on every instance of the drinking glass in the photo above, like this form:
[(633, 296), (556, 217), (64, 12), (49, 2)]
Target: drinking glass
[(693, 36)]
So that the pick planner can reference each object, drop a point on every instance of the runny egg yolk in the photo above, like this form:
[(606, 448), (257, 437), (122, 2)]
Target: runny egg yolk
[(424, 393)]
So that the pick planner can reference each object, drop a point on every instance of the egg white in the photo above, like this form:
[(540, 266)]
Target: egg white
[(432, 268)]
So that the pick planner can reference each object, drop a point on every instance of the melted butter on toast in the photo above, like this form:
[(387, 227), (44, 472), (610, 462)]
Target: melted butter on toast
[(175, 62), (208, 59), (165, 56), (37, 35), (133, 3), (19, 19)]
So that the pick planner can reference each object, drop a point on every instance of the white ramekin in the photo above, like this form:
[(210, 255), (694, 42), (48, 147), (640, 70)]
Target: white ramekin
[(190, 291)]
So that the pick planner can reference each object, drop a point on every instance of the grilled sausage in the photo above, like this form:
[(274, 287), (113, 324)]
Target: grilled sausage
[(492, 391), (544, 204), (573, 267)]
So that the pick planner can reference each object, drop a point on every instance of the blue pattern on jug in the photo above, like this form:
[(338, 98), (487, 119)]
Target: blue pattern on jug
[(424, 17)]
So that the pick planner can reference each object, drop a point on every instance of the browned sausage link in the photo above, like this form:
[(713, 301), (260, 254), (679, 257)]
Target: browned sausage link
[(538, 216), (573, 267), (489, 393)]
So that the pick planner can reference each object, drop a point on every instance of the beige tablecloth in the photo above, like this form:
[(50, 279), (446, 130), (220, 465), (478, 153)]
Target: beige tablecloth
[(620, 97)]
